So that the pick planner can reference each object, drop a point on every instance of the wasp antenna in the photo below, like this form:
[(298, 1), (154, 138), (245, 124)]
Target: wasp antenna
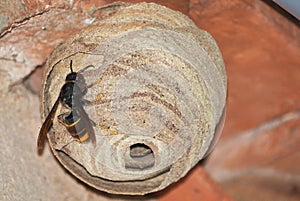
[(71, 62)]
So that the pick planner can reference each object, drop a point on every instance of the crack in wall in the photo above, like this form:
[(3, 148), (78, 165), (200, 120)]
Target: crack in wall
[(23, 21)]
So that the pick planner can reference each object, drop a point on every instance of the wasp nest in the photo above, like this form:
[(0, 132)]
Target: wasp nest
[(155, 94)]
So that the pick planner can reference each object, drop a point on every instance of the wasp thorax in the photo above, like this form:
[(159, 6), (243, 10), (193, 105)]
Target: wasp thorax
[(148, 97)]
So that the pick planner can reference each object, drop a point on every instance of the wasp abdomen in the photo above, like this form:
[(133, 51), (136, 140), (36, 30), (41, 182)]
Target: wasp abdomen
[(74, 125)]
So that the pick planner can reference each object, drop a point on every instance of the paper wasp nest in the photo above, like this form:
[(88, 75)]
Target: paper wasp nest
[(156, 93)]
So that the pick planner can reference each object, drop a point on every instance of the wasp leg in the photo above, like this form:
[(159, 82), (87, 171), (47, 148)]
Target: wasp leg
[(70, 121), (93, 123), (86, 102), (108, 130), (98, 98)]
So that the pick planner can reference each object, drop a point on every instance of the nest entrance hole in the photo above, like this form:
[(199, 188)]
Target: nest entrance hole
[(141, 157)]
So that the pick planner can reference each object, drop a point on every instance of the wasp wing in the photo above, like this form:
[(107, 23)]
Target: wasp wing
[(45, 128)]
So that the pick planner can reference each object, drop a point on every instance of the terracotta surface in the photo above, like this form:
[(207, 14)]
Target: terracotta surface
[(257, 157), (260, 57)]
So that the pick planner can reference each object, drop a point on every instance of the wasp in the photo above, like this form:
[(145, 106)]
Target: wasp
[(77, 121)]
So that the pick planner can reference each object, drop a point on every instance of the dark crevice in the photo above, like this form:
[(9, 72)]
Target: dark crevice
[(141, 157), (21, 22), (282, 11)]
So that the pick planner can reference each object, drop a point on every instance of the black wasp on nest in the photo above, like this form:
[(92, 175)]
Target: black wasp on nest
[(76, 121)]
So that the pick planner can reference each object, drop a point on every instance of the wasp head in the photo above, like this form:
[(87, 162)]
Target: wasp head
[(71, 76)]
